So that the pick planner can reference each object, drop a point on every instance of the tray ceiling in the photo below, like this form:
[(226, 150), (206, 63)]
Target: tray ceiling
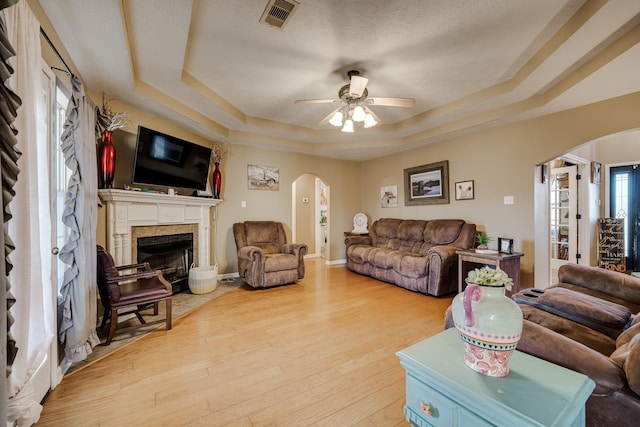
[(213, 68)]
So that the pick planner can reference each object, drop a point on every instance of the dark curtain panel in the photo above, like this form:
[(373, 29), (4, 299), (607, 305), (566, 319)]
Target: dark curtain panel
[(9, 103)]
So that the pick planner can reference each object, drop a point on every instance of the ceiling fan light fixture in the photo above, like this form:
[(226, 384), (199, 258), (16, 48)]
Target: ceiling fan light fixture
[(336, 120), (348, 126), (369, 121), (358, 114)]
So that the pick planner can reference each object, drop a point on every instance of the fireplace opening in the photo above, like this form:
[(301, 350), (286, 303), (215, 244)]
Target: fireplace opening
[(171, 254)]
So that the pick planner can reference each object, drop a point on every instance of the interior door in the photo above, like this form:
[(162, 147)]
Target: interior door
[(563, 225), (46, 375), (625, 203)]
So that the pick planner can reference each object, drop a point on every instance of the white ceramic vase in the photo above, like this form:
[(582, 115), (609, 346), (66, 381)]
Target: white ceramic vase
[(490, 326)]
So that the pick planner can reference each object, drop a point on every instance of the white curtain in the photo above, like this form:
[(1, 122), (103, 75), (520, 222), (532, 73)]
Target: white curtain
[(30, 227), (77, 329)]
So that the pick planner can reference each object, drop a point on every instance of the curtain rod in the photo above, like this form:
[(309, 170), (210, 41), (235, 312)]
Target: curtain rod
[(46, 37)]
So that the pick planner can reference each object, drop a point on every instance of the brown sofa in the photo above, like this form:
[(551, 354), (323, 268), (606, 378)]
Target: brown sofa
[(419, 255), (589, 323), (265, 258)]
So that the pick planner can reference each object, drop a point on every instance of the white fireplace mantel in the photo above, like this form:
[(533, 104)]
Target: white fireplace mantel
[(127, 209)]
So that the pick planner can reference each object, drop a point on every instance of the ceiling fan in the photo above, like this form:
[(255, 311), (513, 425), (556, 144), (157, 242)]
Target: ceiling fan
[(355, 99)]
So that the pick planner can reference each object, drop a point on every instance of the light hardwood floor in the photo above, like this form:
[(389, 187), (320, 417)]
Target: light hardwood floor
[(320, 352)]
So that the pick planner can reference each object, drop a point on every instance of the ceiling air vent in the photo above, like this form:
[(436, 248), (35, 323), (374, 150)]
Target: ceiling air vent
[(278, 12)]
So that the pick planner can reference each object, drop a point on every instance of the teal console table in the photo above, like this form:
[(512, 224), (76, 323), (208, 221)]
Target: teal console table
[(443, 391)]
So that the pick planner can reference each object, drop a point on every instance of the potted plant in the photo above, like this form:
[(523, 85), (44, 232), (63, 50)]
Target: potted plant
[(482, 239)]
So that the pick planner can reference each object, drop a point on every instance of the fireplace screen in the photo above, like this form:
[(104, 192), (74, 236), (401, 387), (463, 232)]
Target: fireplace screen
[(172, 254)]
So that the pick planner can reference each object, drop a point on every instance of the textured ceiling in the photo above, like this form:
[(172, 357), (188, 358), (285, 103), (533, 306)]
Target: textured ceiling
[(212, 67)]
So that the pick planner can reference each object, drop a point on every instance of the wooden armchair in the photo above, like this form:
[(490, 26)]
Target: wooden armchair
[(265, 258), (134, 290)]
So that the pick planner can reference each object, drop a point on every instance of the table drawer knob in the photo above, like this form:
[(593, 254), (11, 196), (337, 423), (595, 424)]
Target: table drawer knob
[(425, 408)]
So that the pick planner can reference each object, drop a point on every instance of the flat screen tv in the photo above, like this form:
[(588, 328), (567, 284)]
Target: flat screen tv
[(165, 160)]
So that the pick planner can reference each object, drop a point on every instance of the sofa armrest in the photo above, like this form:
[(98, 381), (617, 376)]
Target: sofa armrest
[(444, 253), (251, 253), (442, 269), (357, 240), (297, 249), (553, 347)]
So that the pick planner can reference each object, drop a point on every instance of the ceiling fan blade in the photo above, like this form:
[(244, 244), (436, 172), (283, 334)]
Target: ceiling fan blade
[(393, 102), (316, 101), (326, 119), (357, 85)]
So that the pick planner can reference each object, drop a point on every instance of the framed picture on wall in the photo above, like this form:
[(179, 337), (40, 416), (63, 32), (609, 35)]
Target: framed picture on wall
[(427, 184), (263, 177), (389, 196), (464, 190), (595, 172)]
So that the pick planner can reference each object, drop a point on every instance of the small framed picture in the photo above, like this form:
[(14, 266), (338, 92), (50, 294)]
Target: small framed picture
[(595, 172), (464, 190), (505, 246)]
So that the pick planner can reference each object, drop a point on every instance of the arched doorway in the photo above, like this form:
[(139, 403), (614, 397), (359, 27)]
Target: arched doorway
[(310, 204)]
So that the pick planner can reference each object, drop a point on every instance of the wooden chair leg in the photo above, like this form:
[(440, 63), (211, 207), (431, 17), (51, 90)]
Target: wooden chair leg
[(112, 326), (105, 316), (156, 305), (139, 316), (168, 313)]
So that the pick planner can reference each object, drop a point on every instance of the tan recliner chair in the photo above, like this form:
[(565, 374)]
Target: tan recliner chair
[(265, 258)]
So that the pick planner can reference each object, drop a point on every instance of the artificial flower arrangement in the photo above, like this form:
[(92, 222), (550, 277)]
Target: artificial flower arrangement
[(107, 120), (220, 150), (488, 276)]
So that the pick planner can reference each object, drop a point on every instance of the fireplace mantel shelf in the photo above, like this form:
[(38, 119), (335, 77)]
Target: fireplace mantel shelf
[(154, 198), (126, 209)]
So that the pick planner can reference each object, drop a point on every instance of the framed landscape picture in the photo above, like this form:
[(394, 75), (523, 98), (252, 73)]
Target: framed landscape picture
[(263, 177), (427, 184)]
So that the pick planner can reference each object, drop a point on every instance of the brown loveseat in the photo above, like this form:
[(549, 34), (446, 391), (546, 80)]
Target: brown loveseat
[(419, 255)]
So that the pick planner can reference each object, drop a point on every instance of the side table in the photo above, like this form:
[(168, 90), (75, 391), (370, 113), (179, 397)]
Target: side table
[(443, 391), (509, 263)]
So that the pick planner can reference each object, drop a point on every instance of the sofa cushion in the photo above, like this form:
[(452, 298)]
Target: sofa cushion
[(442, 231), (602, 295), (359, 254), (410, 234), (600, 315), (268, 248), (623, 286), (411, 265), (261, 232), (382, 258), (599, 342), (279, 262), (627, 356)]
